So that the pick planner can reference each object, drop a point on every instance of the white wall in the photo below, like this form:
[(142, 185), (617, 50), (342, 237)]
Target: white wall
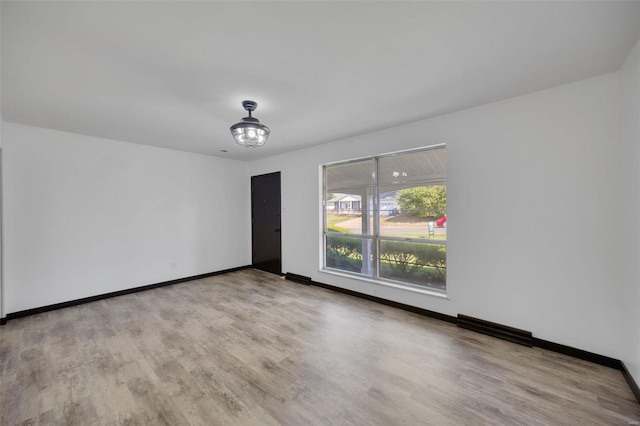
[(534, 195), (86, 216), (630, 91)]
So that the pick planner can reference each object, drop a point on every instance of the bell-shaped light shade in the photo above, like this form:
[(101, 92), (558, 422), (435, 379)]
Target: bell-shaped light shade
[(249, 133)]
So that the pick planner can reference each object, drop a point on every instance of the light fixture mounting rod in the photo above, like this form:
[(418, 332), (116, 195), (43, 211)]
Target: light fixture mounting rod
[(250, 106)]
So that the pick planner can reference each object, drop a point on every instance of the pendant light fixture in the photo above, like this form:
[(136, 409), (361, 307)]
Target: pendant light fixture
[(249, 131)]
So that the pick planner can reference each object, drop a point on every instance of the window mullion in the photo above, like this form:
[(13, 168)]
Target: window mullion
[(376, 219)]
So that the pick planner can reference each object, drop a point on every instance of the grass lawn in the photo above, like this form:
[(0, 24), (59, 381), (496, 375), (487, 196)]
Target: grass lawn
[(334, 219), (387, 225)]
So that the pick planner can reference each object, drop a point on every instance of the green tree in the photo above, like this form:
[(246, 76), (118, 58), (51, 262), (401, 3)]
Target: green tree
[(424, 201)]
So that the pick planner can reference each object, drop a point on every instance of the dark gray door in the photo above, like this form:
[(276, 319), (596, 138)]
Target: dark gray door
[(265, 222)]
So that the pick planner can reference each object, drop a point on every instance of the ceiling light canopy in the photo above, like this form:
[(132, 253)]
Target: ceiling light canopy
[(249, 131)]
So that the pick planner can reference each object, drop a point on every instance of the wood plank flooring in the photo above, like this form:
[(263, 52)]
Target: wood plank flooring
[(248, 348)]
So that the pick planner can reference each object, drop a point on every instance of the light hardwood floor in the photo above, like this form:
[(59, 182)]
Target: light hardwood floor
[(248, 348)]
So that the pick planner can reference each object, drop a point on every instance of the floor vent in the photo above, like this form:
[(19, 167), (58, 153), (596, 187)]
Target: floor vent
[(298, 278), (511, 334)]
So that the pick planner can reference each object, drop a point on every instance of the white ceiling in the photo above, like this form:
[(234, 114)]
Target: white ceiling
[(173, 74)]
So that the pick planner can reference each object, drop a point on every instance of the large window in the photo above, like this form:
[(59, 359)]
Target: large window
[(385, 217)]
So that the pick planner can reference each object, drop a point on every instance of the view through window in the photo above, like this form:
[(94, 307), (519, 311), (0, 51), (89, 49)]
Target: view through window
[(385, 217)]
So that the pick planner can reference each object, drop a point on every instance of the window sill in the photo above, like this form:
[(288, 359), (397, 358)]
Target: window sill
[(385, 283)]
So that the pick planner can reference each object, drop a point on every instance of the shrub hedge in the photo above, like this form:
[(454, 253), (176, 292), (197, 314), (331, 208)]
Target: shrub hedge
[(419, 263)]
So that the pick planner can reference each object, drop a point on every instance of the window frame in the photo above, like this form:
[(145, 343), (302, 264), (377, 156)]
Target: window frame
[(375, 236)]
